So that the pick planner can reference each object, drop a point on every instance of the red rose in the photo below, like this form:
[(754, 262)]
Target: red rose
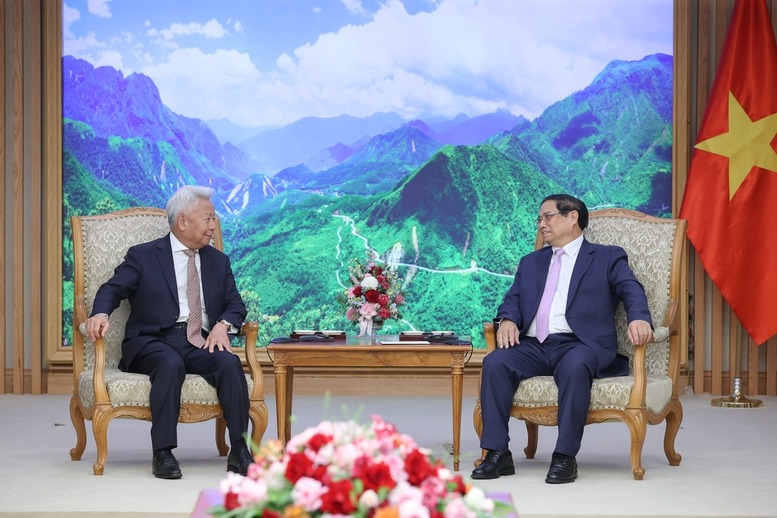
[(372, 296), (383, 299), (357, 291), (417, 467), (321, 474), (269, 513), (230, 501), (376, 271), (299, 466), (318, 441), (338, 499), (383, 281), (376, 476), (384, 313)]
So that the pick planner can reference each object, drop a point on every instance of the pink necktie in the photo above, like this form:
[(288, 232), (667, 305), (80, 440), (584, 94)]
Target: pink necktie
[(543, 313), (194, 327)]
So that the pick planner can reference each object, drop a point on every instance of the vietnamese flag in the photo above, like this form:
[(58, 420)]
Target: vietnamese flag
[(730, 200)]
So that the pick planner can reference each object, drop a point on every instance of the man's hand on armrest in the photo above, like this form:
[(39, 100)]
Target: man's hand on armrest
[(640, 332), (506, 334), (97, 326)]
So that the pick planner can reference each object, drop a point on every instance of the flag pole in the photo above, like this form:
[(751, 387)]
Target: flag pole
[(737, 399)]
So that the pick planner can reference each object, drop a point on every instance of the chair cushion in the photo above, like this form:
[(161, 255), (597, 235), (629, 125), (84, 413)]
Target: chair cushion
[(131, 389), (542, 391)]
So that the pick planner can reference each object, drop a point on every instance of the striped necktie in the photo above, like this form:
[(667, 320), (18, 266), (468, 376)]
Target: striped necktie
[(194, 327)]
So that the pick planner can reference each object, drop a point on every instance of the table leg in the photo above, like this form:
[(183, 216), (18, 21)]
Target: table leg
[(289, 399), (457, 386), (281, 416)]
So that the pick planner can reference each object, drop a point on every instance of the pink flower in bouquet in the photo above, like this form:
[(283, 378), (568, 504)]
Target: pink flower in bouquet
[(368, 310), (352, 313), (307, 493), (399, 299)]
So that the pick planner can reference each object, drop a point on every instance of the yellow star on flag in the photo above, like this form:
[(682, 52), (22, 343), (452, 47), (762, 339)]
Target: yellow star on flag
[(746, 144)]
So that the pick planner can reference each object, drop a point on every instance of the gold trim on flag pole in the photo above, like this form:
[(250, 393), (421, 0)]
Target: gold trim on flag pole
[(737, 399)]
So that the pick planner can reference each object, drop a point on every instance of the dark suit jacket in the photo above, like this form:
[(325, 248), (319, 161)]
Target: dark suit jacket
[(600, 280), (147, 278)]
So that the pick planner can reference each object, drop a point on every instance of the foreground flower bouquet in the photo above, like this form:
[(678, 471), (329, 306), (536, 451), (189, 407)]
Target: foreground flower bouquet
[(346, 469)]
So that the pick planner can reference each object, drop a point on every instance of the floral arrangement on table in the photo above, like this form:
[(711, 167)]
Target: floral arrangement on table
[(374, 295), (343, 468)]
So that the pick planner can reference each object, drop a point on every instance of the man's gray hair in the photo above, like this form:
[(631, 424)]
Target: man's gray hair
[(185, 198)]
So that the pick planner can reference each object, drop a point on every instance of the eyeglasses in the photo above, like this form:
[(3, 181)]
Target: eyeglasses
[(548, 215)]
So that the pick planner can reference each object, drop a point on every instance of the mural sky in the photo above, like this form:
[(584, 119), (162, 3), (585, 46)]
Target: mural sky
[(268, 63)]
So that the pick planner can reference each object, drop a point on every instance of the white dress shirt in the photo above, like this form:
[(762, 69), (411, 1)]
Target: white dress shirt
[(181, 261)]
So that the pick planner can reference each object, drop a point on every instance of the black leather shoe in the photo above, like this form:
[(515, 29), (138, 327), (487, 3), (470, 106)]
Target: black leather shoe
[(239, 459), (165, 465), (496, 464), (563, 469)]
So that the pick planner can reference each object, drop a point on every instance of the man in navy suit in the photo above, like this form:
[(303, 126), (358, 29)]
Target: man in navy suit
[(579, 343), (153, 277)]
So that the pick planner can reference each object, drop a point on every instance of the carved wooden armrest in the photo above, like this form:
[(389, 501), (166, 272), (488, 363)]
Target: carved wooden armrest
[(250, 331)]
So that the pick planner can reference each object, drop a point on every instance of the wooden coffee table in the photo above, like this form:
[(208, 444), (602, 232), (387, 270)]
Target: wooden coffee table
[(364, 352)]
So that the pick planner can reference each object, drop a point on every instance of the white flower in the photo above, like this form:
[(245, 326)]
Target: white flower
[(369, 282), (477, 499), (369, 499), (413, 509)]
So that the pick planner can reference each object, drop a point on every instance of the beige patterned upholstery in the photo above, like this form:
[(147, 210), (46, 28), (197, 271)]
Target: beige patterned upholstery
[(103, 392), (649, 394)]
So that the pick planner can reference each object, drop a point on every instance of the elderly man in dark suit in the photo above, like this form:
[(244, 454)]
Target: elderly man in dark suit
[(170, 332), (558, 319)]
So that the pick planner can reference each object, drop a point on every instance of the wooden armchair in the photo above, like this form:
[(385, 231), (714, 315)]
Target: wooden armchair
[(650, 393), (102, 392)]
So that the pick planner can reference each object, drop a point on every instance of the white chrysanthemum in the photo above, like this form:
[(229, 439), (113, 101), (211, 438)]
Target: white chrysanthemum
[(369, 282)]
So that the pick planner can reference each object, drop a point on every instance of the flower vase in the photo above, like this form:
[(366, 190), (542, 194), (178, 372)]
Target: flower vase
[(377, 327)]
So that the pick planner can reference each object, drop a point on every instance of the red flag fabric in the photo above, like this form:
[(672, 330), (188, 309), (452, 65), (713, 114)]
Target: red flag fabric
[(730, 199)]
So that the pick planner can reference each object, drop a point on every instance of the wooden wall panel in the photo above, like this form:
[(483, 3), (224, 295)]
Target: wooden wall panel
[(21, 272)]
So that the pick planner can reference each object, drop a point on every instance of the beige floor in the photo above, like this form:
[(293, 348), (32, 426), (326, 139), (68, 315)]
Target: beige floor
[(728, 469)]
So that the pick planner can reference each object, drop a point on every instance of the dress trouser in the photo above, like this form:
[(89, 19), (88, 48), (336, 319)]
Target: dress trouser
[(167, 361), (571, 363)]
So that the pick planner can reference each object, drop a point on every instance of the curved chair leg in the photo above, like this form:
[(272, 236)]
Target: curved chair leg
[(78, 423), (637, 430), (673, 421), (531, 440), (259, 418), (100, 422), (221, 432)]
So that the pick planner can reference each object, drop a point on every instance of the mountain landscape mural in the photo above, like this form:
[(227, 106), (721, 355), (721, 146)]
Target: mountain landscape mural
[(453, 200)]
